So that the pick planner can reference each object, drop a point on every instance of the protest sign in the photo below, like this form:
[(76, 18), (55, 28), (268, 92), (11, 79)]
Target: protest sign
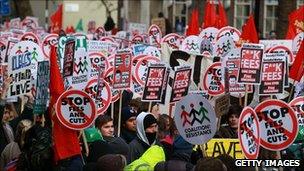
[(268, 44), (216, 147), (97, 59), (137, 28), (173, 40), (155, 35), (223, 46), (192, 45), (141, 68), (273, 71), (138, 39), (28, 36), (299, 90), (100, 32), (138, 49), (278, 124), (165, 84), (206, 48), (286, 50), (109, 78), (42, 86), (233, 64), (22, 67), (251, 60), (104, 102), (105, 47), (152, 51), (17, 33), (222, 105), (75, 109), (249, 133), (47, 42), (213, 80), (61, 49), (229, 31), (202, 93), (161, 23), (195, 119), (181, 83), (154, 83), (209, 33), (122, 69), (297, 105), (68, 60), (30, 23)]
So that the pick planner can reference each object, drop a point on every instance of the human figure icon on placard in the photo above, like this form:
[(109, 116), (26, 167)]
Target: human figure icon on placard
[(195, 114), (184, 116), (34, 55), (85, 64), (19, 51), (203, 111)]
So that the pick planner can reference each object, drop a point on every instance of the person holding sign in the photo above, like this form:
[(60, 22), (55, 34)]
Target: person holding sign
[(105, 125), (146, 135), (230, 131)]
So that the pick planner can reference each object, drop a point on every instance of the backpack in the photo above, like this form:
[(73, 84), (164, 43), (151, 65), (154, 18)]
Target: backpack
[(37, 153)]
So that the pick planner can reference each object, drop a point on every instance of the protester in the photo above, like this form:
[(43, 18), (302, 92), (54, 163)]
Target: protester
[(128, 124), (180, 159), (12, 151), (148, 160), (210, 164), (118, 146), (113, 162), (146, 128), (230, 131), (7, 126)]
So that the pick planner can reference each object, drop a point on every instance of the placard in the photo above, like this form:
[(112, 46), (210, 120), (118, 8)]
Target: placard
[(137, 28), (229, 31), (249, 133), (161, 23), (220, 146), (104, 102), (29, 36), (98, 59), (47, 42), (173, 40), (105, 47), (141, 68), (155, 35), (273, 73), (223, 46), (68, 60), (75, 109), (154, 83), (10, 43), (181, 83), (213, 80), (195, 119), (122, 69), (297, 105), (42, 87), (22, 67), (278, 124), (251, 60), (222, 105), (209, 33), (109, 78)]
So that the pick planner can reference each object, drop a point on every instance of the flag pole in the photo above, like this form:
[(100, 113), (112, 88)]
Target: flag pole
[(246, 96)]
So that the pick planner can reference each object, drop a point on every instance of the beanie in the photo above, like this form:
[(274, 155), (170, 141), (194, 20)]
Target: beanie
[(127, 113), (149, 120)]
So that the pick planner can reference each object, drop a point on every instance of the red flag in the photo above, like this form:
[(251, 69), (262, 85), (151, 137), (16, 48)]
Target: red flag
[(249, 33), (296, 71), (56, 20), (193, 28), (66, 143), (210, 15), (295, 19), (221, 18)]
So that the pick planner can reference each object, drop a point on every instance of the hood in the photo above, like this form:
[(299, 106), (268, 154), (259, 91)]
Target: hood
[(140, 129)]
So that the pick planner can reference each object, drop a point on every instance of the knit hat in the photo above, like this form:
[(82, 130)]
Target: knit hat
[(111, 162), (127, 113), (149, 120), (181, 146)]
